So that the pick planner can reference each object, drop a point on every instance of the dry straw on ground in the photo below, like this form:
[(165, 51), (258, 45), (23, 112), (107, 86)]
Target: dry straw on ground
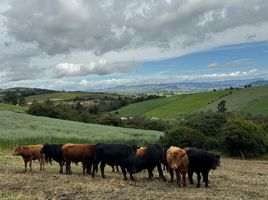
[(235, 179)]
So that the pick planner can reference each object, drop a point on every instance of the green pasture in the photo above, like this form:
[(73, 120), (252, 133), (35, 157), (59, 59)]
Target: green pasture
[(252, 100), (140, 108), (171, 107), (260, 108), (56, 96), (18, 128), (10, 107)]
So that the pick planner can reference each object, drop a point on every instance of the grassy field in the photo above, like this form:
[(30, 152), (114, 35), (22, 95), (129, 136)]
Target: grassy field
[(12, 108), (18, 128), (253, 100), (171, 107), (244, 100), (235, 179), (56, 96)]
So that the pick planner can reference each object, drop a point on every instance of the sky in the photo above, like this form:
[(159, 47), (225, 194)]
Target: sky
[(96, 44)]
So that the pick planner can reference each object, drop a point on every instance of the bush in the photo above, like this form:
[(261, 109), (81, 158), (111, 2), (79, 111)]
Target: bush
[(210, 123), (244, 138), (183, 136)]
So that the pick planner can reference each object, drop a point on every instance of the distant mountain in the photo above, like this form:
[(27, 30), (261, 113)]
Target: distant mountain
[(21, 91), (182, 86), (259, 83)]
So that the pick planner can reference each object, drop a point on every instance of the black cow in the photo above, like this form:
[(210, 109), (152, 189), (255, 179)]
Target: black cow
[(115, 154), (53, 151), (200, 161), (153, 157)]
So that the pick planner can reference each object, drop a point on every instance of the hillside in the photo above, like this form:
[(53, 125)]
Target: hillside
[(252, 100), (18, 128), (170, 107)]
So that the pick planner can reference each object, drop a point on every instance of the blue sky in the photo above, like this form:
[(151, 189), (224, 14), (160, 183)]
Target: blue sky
[(94, 44)]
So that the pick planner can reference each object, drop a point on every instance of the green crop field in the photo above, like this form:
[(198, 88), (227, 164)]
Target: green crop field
[(171, 107), (12, 108), (260, 108), (18, 128), (56, 96), (250, 100)]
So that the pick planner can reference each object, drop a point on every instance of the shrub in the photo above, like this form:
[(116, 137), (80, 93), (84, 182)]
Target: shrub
[(244, 138), (183, 136)]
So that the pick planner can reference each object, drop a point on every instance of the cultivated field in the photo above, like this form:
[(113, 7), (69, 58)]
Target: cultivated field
[(253, 100), (19, 128), (235, 179)]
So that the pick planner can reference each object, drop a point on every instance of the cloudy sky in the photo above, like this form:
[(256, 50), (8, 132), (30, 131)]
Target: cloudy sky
[(90, 44)]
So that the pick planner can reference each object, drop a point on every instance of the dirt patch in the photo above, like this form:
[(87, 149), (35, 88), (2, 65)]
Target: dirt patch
[(235, 179)]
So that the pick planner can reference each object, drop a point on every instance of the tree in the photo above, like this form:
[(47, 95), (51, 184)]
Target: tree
[(243, 137), (22, 101), (221, 106), (11, 97)]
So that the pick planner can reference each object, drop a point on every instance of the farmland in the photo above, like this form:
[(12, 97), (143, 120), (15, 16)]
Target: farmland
[(252, 100), (235, 179), (18, 128)]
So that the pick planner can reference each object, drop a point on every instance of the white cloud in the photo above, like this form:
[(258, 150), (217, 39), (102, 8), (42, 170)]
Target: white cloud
[(155, 79), (35, 35), (102, 67), (215, 64)]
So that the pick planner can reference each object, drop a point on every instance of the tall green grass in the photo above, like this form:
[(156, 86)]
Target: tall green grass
[(10, 107), (17, 128)]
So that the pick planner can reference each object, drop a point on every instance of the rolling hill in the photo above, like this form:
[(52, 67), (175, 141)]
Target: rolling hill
[(19, 128), (252, 100)]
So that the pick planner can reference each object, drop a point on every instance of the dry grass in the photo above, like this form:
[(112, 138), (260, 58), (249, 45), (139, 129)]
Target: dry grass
[(235, 179)]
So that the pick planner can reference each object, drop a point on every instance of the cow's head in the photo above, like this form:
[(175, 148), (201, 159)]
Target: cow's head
[(176, 160), (130, 164), (19, 150), (215, 161)]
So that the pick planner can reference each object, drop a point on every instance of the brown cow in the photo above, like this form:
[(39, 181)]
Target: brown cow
[(140, 152), (177, 160), (78, 153), (29, 153)]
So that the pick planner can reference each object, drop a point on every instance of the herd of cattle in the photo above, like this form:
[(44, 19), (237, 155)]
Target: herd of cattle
[(131, 159)]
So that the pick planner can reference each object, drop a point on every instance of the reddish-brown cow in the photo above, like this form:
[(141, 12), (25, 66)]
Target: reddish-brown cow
[(78, 153), (140, 152), (29, 153), (177, 160)]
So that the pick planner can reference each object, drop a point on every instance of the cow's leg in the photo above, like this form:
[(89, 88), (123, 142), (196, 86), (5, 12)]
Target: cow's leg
[(205, 178), (25, 165), (40, 163), (102, 166), (161, 175), (30, 164), (117, 169), (150, 173), (84, 165), (68, 167), (113, 168), (61, 167), (184, 178), (89, 167), (190, 176), (198, 179), (171, 172), (124, 172), (131, 176), (178, 176), (95, 167), (43, 161)]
